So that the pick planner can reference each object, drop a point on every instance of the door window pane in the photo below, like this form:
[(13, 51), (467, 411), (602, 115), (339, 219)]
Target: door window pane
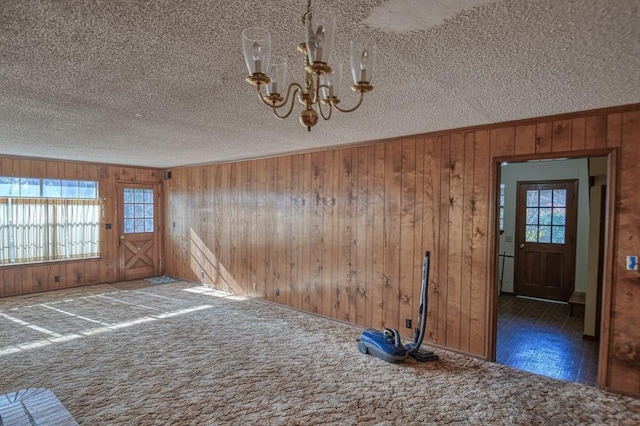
[(532, 198), (559, 197), (544, 234), (532, 216), (128, 226), (128, 195), (545, 216), (531, 234), (138, 210), (559, 216), (557, 236), (128, 211), (546, 198)]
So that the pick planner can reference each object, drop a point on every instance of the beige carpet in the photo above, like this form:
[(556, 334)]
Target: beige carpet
[(136, 354)]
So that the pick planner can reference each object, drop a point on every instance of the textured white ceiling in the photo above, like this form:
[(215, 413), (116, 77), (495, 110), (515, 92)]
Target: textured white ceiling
[(161, 83)]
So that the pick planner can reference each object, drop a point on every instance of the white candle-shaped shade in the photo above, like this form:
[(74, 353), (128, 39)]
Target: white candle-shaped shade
[(363, 60), (321, 29), (278, 75), (332, 80), (256, 44)]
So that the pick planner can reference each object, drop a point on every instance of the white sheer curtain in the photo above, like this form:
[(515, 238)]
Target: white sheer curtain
[(5, 253), (49, 229)]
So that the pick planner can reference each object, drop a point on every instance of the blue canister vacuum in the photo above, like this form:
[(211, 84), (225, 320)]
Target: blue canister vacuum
[(386, 344)]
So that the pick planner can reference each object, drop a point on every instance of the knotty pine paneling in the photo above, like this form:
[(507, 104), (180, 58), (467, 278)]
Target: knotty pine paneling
[(343, 232), (23, 279)]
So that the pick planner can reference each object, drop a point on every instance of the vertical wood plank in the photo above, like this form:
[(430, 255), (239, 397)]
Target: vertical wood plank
[(467, 243), (578, 134), (370, 306), (503, 140), (296, 286), (270, 229), (614, 130), (561, 136), (544, 137), (25, 167), (443, 263), (596, 132), (361, 237), (317, 232), (40, 278), (419, 246), (431, 230), (378, 278), (525, 139), (39, 170), (328, 202), (334, 248), (392, 194), (261, 228), (305, 231), (408, 258), (481, 257), (455, 245), (343, 235)]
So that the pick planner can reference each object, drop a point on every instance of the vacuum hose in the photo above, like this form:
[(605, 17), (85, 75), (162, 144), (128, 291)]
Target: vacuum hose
[(420, 332)]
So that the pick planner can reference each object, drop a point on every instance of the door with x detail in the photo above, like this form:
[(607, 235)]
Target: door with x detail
[(138, 242)]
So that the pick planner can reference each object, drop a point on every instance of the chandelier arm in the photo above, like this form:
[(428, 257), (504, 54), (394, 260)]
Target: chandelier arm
[(286, 98), (348, 109), (293, 101), (325, 117)]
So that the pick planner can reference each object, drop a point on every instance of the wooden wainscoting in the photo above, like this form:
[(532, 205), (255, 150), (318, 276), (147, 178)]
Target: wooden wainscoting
[(342, 232)]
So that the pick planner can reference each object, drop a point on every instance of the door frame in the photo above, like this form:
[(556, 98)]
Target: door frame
[(613, 158), (158, 224)]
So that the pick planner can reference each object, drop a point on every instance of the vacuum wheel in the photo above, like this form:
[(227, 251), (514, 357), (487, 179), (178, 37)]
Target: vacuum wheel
[(363, 348)]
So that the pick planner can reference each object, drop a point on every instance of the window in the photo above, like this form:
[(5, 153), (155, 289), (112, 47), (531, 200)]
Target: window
[(138, 210), (48, 219), (546, 216)]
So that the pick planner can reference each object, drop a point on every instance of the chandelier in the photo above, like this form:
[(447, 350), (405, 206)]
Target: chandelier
[(319, 93)]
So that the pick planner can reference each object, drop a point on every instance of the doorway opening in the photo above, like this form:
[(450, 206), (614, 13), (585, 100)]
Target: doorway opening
[(550, 266)]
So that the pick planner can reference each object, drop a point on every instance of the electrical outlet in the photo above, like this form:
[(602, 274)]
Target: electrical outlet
[(632, 263), (56, 279), (201, 274), (407, 323), (277, 292)]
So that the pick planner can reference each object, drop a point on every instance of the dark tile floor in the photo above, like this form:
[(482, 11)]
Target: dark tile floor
[(542, 338)]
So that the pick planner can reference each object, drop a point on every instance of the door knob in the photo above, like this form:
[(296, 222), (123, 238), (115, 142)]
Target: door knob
[(521, 246), (122, 237)]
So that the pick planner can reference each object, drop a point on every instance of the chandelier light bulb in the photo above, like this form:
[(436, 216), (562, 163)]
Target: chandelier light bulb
[(257, 54), (318, 39), (364, 64)]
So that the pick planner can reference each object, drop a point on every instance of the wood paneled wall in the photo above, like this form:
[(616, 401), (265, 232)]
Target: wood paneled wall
[(342, 232), (29, 278)]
